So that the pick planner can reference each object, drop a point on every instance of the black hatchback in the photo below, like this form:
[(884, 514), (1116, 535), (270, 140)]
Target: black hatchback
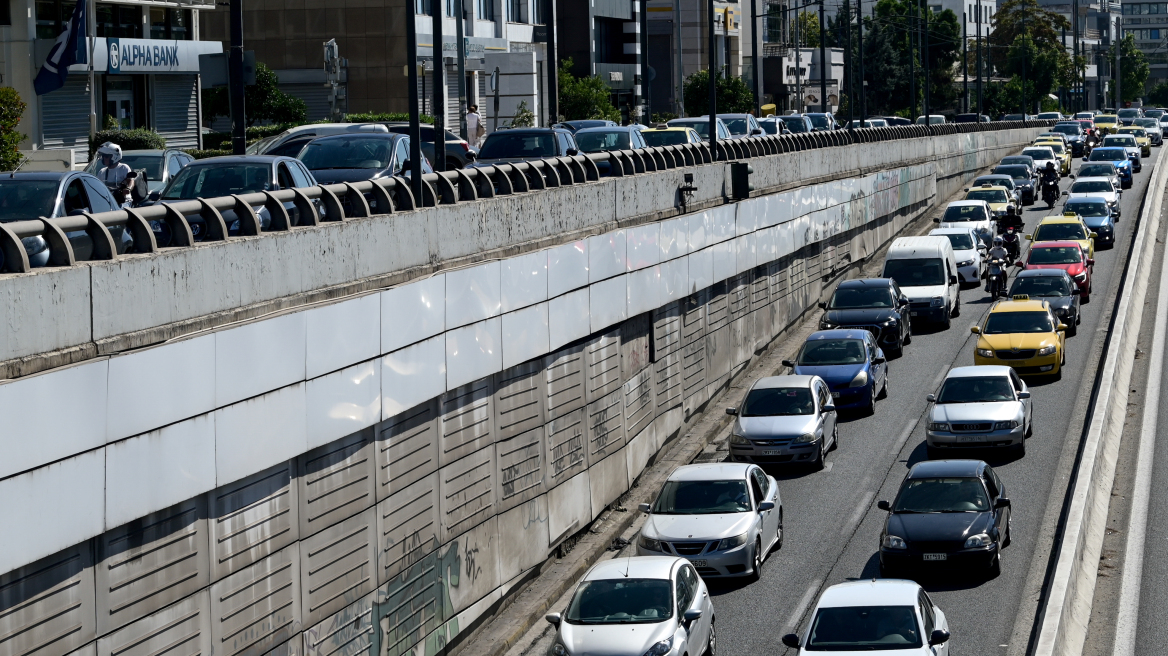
[(947, 514), (873, 304)]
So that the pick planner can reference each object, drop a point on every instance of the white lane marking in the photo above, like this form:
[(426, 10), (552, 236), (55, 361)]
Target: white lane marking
[(904, 435), (1133, 559), (861, 510), (828, 465), (793, 623)]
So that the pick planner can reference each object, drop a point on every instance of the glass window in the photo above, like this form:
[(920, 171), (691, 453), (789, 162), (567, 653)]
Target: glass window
[(50, 15), (422, 7), (283, 176), (702, 498), (961, 242), (621, 601), (759, 495), (170, 23), (485, 10), (1059, 232), (173, 165), (6, 12), (667, 137), (850, 298), (290, 148), (827, 352), (598, 142), (98, 196), (348, 153), (938, 495), (516, 10), (209, 181), (520, 145), (764, 484), (864, 628), (27, 199), (778, 401), (1055, 255), (927, 613), (989, 483), (123, 21), (403, 154), (737, 125), (981, 389), (988, 195), (76, 199), (1092, 186), (917, 272), (300, 175), (958, 213), (681, 594), (1002, 323), (1039, 286)]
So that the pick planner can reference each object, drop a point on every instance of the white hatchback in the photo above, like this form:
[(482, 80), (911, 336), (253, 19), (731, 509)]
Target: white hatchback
[(875, 617)]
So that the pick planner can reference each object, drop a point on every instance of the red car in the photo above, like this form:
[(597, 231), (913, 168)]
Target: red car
[(1088, 126), (1065, 255)]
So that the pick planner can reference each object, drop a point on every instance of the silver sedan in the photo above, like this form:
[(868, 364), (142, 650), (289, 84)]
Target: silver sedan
[(725, 518), (980, 406), (784, 419)]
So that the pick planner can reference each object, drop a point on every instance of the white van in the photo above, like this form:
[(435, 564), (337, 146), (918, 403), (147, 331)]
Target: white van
[(925, 268)]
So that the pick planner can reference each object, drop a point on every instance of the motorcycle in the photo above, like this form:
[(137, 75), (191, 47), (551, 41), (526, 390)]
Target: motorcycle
[(1050, 193), (1012, 244), (997, 278)]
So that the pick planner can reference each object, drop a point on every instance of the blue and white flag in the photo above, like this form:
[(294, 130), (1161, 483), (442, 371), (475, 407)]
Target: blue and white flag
[(68, 50)]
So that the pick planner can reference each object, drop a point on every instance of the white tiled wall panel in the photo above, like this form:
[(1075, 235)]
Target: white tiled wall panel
[(721, 223), (746, 218), (607, 303), (472, 294), (674, 280), (473, 352), (38, 429), (525, 335), (524, 280), (413, 312), (725, 262), (567, 267), (175, 381), (744, 253), (568, 318), (259, 433), (701, 269), (698, 231), (412, 375), (606, 255), (159, 469), (52, 508), (343, 334), (643, 246), (258, 357), (342, 403), (674, 238), (644, 290)]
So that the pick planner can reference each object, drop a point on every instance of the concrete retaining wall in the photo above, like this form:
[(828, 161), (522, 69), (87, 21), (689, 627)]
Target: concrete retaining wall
[(376, 474)]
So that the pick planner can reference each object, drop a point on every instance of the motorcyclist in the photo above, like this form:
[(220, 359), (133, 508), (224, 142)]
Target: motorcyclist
[(1010, 219), (1049, 180), (1011, 243), (997, 259), (116, 175)]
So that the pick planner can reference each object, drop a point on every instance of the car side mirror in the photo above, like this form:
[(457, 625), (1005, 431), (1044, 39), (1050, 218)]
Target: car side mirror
[(939, 637), (822, 305), (732, 411), (791, 640), (692, 614), (766, 505), (1062, 327), (1085, 159), (1071, 176), (1066, 193), (789, 363), (884, 505), (1094, 235), (1091, 260), (936, 219), (879, 360), (1022, 396), (471, 155), (931, 398), (1020, 265), (904, 299), (572, 152), (829, 408), (1002, 502), (1029, 237), (154, 195), (553, 619), (975, 330), (966, 189), (952, 280), (756, 131), (643, 507)]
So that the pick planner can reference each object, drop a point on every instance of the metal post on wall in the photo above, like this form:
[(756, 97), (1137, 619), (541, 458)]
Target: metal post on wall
[(553, 63), (978, 23), (863, 81), (460, 52), (756, 63), (437, 12), (925, 57), (415, 128), (824, 65), (1118, 63), (849, 69), (713, 82), (235, 79), (912, 60), (965, 64)]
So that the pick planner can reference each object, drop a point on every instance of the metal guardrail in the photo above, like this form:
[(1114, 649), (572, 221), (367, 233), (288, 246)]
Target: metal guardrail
[(394, 195)]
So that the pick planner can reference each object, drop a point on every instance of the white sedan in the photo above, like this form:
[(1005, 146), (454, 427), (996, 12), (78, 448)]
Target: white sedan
[(967, 249), (1099, 187), (880, 616), (1041, 156), (974, 215)]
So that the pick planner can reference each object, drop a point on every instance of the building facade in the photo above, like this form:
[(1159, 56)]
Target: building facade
[(685, 22)]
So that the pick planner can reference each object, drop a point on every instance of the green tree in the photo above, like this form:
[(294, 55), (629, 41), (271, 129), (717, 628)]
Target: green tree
[(887, 88), (585, 97), (1017, 17), (731, 93), (11, 110), (524, 117), (1133, 66), (808, 25), (1158, 96), (263, 101)]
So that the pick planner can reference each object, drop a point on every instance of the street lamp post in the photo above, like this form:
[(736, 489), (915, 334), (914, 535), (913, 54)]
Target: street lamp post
[(965, 63), (713, 84), (756, 66), (439, 92), (925, 59), (863, 82), (979, 97), (823, 63)]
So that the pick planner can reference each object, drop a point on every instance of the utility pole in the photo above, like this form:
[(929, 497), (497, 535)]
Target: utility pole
[(646, 87), (979, 108), (798, 50), (415, 129), (863, 81), (756, 63), (925, 58), (1118, 63), (235, 80), (460, 52), (1025, 49), (912, 60), (553, 62), (824, 65), (965, 64), (849, 67), (713, 83), (439, 94), (1080, 82)]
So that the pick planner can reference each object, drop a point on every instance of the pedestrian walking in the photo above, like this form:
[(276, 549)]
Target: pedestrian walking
[(474, 125)]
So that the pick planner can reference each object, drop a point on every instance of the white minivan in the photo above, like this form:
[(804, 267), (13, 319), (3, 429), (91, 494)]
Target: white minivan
[(925, 268)]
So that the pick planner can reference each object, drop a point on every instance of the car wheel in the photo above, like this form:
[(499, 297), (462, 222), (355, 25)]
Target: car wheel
[(1006, 542), (884, 387), (1020, 449), (908, 334), (1030, 429), (870, 409), (756, 566), (1073, 329), (817, 464), (948, 321), (779, 532), (834, 438), (996, 566), (712, 642), (957, 308)]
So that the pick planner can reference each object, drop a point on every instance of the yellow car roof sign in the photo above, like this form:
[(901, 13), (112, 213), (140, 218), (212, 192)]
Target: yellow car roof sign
[(1020, 297)]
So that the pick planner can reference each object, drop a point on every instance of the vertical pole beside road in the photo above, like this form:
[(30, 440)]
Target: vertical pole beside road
[(863, 81), (979, 110), (824, 65), (713, 83), (646, 96), (553, 68), (925, 57), (756, 66), (460, 52), (235, 79), (415, 128), (437, 11), (965, 64), (1118, 65), (912, 60), (849, 70)]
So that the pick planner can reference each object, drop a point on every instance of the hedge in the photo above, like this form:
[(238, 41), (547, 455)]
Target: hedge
[(136, 139), (205, 153), (386, 116)]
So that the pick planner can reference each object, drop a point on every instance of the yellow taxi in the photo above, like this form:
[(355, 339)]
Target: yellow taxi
[(1106, 124), (670, 136), (1023, 334), (997, 197), (1142, 139), (1068, 227), (1061, 153)]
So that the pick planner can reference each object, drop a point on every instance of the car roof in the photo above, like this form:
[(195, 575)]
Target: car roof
[(1011, 305), (605, 128), (976, 371), (931, 468), (713, 471), (1088, 199), (669, 128), (995, 176), (149, 151), (935, 232), (865, 282), (639, 567), (969, 203), (1092, 178), (790, 380), (530, 131), (1042, 273), (990, 187), (388, 136), (1066, 243), (239, 159), (876, 592), (838, 333), (37, 175), (1059, 219), (918, 245)]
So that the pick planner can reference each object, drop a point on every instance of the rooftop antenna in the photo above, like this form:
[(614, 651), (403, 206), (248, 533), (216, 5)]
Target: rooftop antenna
[(22, 163)]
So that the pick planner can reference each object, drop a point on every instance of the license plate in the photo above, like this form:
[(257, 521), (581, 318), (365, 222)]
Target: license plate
[(936, 556), (972, 438), (772, 453), (698, 563), (835, 395), (913, 314)]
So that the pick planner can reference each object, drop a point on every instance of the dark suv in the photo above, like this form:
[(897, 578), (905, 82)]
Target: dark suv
[(874, 304), (525, 144), (458, 151)]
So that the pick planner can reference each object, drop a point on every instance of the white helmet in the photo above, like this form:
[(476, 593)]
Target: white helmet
[(113, 150)]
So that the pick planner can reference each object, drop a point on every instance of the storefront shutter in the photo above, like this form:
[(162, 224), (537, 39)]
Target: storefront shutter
[(65, 116), (176, 110), (452, 110), (315, 97)]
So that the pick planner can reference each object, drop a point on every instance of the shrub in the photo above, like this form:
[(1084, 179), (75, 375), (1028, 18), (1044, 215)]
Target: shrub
[(732, 94), (11, 109), (524, 117), (374, 117), (262, 101), (136, 139), (204, 154), (584, 97), (664, 117)]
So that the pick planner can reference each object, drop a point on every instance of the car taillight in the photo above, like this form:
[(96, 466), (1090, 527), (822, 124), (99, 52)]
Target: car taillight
[(465, 146)]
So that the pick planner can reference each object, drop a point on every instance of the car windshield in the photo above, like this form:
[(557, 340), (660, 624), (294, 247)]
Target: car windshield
[(1039, 153), (1128, 113), (795, 123), (348, 153), (598, 142), (851, 298), (1104, 119), (1057, 148), (1134, 132), (1056, 255), (919, 272), (737, 125), (1018, 159), (1109, 155), (997, 181), (518, 145), (27, 199), (1015, 172), (701, 127), (988, 389), (1147, 123), (1059, 232), (152, 164), (941, 495), (1096, 170), (960, 242), (1006, 323), (988, 195), (702, 498), (1038, 286), (1119, 140), (864, 628), (770, 127), (778, 402), (661, 137), (955, 213), (1091, 186), (827, 352), (210, 180), (819, 121), (1067, 129), (1087, 209), (621, 601)]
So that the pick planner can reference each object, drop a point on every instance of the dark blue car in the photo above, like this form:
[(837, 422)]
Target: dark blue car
[(1099, 217), (850, 362)]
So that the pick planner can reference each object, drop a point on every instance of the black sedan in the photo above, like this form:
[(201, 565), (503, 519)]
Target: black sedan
[(525, 144), (1023, 176), (874, 304), (1055, 286), (947, 514)]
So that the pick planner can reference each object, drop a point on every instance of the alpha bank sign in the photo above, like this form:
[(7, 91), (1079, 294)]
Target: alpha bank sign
[(149, 55)]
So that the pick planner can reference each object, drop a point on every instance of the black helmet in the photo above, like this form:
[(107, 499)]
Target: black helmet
[(1050, 166)]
